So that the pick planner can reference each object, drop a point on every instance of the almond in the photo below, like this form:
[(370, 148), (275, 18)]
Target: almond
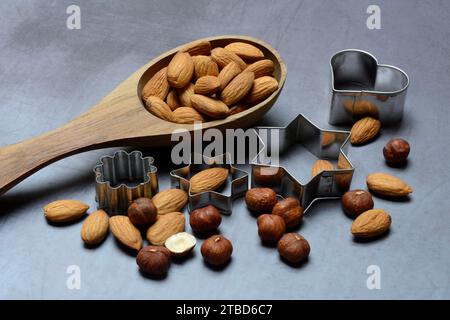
[(172, 100), (227, 74), (321, 165), (208, 179), (204, 66), (223, 57), (245, 50), (125, 232), (95, 227), (165, 226), (237, 108), (364, 130), (170, 200), (207, 85), (159, 108), (238, 88), (262, 88), (371, 223), (388, 185), (200, 47), (65, 210), (185, 94), (211, 107), (261, 68), (361, 108), (157, 85), (187, 115), (180, 70)]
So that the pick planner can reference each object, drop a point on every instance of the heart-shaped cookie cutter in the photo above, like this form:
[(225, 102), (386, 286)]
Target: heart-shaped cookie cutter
[(362, 87)]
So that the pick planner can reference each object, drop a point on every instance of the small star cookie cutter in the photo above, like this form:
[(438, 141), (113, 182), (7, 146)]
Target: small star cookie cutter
[(222, 199), (324, 144)]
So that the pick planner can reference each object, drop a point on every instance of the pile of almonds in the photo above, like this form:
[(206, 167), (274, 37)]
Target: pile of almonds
[(201, 83)]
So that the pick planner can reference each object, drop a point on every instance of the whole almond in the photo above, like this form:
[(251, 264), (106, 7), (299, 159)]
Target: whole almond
[(180, 70), (388, 185), (238, 88), (170, 200), (321, 165), (95, 227), (204, 66), (185, 94), (227, 74), (364, 130), (200, 47), (245, 50), (187, 115), (371, 223), (361, 108), (262, 88), (125, 232), (65, 210), (223, 57), (261, 68), (157, 85), (159, 108), (237, 108), (213, 108), (172, 100), (165, 226), (207, 85), (208, 179)]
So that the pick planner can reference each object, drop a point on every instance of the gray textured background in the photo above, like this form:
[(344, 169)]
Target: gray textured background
[(50, 74)]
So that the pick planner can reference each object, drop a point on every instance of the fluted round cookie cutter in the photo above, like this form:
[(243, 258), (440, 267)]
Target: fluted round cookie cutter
[(123, 177)]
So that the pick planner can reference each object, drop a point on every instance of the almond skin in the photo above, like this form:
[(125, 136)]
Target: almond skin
[(388, 185), (371, 223), (207, 85), (213, 108), (170, 200), (245, 50), (238, 88), (262, 88), (185, 94), (187, 115), (208, 179), (200, 47), (165, 226), (223, 57), (95, 227), (227, 74), (157, 85), (180, 70), (172, 100), (261, 68), (204, 66), (321, 165), (125, 232), (65, 210), (159, 108), (364, 130)]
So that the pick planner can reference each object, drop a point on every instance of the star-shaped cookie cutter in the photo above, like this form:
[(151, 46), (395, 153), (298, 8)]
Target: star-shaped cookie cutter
[(222, 199), (324, 144)]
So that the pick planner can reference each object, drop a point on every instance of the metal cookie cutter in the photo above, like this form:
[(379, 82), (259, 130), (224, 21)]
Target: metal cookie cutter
[(324, 144), (123, 177), (222, 199), (362, 87)]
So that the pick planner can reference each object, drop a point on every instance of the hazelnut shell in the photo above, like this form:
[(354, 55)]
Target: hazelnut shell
[(290, 210), (154, 260), (355, 202), (270, 227), (396, 151), (205, 219), (260, 199), (216, 250), (142, 212), (293, 248)]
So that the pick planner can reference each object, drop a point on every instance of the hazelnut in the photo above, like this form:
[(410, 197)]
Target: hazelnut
[(260, 199), (154, 260), (396, 151), (142, 212), (267, 176), (205, 219), (180, 244), (216, 250), (271, 227), (290, 210), (293, 247), (355, 202)]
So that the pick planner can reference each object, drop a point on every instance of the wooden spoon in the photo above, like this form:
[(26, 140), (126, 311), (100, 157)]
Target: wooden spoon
[(120, 119)]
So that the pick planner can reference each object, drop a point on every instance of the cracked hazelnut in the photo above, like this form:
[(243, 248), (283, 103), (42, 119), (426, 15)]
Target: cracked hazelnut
[(293, 248), (154, 260), (205, 219), (180, 244), (290, 210), (142, 212), (216, 250), (396, 151), (271, 227), (355, 202), (260, 199)]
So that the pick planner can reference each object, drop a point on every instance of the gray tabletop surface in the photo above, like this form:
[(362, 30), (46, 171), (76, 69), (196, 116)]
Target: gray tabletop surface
[(50, 74)]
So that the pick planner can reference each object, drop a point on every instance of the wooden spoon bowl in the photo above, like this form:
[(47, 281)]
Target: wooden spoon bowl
[(120, 119)]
